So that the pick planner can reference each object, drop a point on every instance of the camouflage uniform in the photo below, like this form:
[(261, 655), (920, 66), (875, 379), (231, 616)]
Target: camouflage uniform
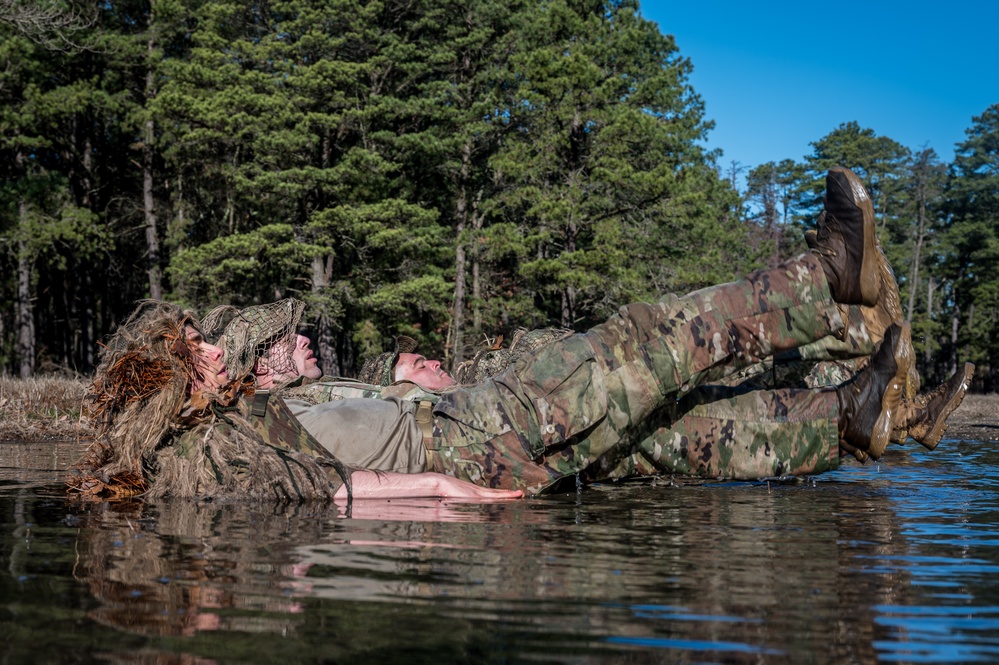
[(278, 464), (763, 422), (581, 404), (743, 428)]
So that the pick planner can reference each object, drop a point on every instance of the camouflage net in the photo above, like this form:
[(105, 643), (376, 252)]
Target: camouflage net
[(260, 331), (157, 439), (488, 361), (493, 359), (379, 370)]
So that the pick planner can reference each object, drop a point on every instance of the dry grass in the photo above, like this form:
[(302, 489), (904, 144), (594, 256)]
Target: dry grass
[(40, 409), (978, 408)]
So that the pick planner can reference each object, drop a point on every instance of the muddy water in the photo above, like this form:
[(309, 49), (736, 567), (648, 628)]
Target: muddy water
[(897, 561)]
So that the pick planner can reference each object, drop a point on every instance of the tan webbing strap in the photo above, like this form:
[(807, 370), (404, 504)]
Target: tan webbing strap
[(259, 408), (425, 418)]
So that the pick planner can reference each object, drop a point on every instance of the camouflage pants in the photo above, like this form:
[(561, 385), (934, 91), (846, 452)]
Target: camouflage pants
[(770, 419), (570, 406)]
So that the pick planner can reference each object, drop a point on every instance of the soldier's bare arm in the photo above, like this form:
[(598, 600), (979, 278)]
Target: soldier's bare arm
[(383, 485)]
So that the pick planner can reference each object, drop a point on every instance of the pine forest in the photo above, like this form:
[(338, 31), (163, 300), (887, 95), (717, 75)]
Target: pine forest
[(449, 170)]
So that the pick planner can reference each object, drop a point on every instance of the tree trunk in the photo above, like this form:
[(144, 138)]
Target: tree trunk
[(24, 305), (148, 204), (930, 286), (25, 308), (916, 251), (152, 236), (477, 221), (569, 292), (456, 330), (953, 343), (455, 349), (87, 323), (921, 174), (325, 340)]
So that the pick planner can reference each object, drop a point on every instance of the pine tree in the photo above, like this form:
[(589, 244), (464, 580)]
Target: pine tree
[(606, 185), (972, 235)]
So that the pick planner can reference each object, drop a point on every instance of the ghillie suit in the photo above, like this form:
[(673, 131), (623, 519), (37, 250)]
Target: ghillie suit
[(158, 439), (251, 333)]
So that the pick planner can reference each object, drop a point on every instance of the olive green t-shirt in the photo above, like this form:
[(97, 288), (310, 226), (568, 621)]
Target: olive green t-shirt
[(375, 434)]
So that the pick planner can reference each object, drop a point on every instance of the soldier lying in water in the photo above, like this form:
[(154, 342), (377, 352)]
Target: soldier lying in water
[(173, 422), (589, 403)]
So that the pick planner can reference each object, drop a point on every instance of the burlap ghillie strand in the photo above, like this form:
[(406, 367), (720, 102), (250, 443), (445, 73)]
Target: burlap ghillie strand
[(260, 331), (225, 459), (153, 438), (140, 385)]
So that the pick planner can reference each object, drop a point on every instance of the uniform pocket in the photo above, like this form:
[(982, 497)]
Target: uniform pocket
[(565, 387), (549, 396), (474, 415)]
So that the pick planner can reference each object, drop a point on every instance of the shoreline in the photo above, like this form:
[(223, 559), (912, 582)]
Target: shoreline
[(50, 409), (977, 419)]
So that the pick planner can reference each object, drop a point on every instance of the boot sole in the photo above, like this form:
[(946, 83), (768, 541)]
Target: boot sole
[(870, 270), (931, 440), (891, 400)]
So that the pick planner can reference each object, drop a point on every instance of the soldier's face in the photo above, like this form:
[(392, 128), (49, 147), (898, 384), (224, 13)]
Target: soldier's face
[(209, 368), (291, 359), (305, 362), (425, 373)]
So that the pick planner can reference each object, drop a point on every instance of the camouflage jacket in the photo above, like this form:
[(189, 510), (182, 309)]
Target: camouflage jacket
[(254, 449)]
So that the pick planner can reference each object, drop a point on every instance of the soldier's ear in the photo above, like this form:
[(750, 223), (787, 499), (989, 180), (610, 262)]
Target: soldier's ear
[(261, 368)]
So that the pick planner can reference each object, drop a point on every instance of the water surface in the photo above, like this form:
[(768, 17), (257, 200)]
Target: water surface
[(895, 561)]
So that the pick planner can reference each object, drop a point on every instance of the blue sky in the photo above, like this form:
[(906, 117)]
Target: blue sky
[(776, 76)]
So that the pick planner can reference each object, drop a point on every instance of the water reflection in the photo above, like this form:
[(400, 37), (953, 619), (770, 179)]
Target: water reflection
[(892, 562), (182, 569)]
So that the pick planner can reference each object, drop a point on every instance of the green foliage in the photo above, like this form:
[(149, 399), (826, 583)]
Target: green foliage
[(440, 168), (877, 161), (248, 264), (972, 238), (600, 162), (936, 230)]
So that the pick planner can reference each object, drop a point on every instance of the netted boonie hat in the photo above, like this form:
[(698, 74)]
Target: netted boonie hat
[(379, 370), (253, 332)]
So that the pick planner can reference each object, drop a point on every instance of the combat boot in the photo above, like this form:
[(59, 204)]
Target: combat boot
[(868, 403), (924, 418), (846, 243), (886, 311)]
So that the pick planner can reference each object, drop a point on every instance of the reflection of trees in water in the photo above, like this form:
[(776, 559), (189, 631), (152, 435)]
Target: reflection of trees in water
[(196, 577), (36, 464), (184, 567), (732, 564), (204, 581), (789, 569)]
